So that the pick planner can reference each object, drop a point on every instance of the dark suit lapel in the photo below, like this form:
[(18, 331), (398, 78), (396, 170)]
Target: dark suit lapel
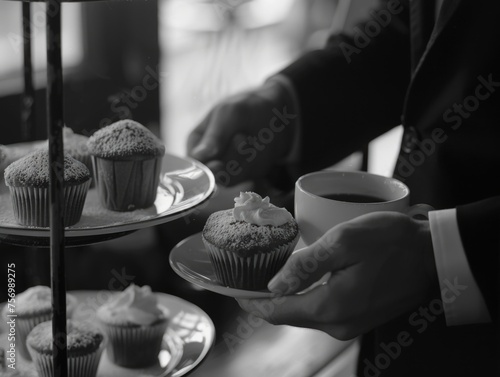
[(448, 9), (421, 26), (423, 35)]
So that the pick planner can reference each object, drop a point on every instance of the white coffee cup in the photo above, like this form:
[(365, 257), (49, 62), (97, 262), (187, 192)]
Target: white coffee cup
[(316, 212)]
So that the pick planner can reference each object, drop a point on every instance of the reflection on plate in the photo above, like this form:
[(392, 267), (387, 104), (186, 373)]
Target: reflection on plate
[(190, 260), (184, 184), (187, 341)]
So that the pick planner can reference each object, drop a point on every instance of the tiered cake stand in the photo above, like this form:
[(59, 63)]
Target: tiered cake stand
[(184, 184)]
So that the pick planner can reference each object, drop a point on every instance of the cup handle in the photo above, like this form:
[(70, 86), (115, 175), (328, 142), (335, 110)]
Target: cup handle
[(420, 211)]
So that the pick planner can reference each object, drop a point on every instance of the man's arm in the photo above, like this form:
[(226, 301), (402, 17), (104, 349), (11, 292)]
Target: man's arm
[(352, 90), (463, 302), (479, 226)]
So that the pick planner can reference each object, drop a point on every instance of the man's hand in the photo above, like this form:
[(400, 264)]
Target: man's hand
[(242, 137), (381, 265)]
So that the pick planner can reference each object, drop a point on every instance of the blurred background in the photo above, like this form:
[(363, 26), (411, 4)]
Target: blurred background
[(165, 64)]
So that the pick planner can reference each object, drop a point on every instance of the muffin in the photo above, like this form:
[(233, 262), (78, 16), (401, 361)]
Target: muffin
[(28, 182), (32, 307), (4, 162), (3, 157), (248, 244), (127, 160), (11, 153), (135, 324), (85, 343), (76, 146)]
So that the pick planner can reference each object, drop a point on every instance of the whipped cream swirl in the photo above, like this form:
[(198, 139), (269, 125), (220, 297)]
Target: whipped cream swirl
[(137, 305), (252, 208)]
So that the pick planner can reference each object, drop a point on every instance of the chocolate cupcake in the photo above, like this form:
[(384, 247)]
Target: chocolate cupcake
[(85, 343), (127, 160), (28, 182), (34, 306), (135, 325), (250, 243)]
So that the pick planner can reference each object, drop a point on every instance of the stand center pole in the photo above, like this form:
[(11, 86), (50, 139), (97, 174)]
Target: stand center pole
[(28, 97), (56, 159)]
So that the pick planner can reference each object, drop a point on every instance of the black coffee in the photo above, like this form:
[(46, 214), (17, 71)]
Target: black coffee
[(354, 198)]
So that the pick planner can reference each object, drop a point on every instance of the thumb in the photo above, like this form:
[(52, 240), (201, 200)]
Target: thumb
[(300, 271), (310, 264)]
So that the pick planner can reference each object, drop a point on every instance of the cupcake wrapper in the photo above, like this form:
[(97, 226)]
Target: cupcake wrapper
[(78, 366), (127, 185), (86, 160), (24, 325), (251, 273), (23, 328), (32, 205), (134, 347)]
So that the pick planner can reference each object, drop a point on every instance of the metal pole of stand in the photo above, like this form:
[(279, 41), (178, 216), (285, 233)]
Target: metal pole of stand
[(56, 159), (28, 97)]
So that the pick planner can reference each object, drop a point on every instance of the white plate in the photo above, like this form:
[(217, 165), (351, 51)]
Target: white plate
[(190, 260), (188, 339), (184, 184)]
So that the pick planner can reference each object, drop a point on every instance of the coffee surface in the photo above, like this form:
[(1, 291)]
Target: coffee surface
[(355, 198)]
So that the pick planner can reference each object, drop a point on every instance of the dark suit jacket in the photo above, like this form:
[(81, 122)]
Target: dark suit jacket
[(443, 85)]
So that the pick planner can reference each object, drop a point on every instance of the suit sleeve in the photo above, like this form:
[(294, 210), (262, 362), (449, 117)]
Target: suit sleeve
[(479, 226), (353, 89)]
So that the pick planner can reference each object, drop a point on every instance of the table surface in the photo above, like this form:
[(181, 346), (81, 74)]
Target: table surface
[(249, 348), (277, 351), (242, 348)]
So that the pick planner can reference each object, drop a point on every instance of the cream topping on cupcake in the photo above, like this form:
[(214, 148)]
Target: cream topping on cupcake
[(33, 170), (136, 305), (38, 297), (125, 139), (252, 208)]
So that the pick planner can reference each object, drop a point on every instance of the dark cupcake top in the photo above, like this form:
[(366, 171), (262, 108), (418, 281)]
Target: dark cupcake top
[(74, 144), (244, 238), (33, 170), (83, 338), (125, 140)]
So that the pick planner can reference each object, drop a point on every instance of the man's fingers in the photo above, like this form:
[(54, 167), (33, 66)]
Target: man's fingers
[(309, 264), (300, 271), (216, 131), (195, 136)]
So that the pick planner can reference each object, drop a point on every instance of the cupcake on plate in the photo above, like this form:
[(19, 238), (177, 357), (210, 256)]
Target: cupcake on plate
[(28, 182), (127, 160), (85, 343), (3, 157), (76, 146), (135, 324), (250, 243), (34, 306)]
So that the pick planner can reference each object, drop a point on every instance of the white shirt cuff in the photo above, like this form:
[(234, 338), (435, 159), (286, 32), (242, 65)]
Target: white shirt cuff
[(463, 301)]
